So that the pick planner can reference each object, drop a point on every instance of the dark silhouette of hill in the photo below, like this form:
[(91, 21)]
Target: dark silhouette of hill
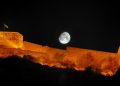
[(15, 71)]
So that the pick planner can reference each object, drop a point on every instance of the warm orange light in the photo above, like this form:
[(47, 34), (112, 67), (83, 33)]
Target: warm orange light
[(105, 63)]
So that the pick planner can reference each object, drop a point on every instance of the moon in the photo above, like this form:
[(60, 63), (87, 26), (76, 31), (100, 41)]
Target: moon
[(64, 38)]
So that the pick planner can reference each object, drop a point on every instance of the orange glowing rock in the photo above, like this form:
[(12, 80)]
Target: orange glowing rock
[(105, 63), (11, 39)]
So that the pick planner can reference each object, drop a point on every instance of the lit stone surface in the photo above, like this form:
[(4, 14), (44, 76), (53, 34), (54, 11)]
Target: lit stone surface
[(105, 63), (11, 39)]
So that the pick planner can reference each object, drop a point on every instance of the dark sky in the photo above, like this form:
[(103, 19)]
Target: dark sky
[(91, 25)]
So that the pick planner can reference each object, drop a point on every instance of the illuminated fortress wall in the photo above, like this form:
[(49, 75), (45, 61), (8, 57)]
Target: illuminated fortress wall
[(105, 63), (11, 39)]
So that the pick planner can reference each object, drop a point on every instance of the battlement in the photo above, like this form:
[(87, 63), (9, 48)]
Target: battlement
[(105, 63), (11, 39)]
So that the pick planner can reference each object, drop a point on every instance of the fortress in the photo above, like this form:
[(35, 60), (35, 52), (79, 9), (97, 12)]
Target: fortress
[(105, 63)]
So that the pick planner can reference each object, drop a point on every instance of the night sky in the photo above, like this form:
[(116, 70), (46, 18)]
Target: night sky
[(92, 25)]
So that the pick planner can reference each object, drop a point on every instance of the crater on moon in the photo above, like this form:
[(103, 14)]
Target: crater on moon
[(64, 38)]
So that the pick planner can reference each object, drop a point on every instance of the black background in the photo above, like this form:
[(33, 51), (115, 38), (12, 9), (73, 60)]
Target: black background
[(92, 25)]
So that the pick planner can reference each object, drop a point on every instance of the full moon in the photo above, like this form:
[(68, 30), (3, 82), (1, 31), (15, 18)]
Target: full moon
[(64, 38)]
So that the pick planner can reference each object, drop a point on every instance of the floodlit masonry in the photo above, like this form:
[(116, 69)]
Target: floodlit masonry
[(11, 39), (105, 63)]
